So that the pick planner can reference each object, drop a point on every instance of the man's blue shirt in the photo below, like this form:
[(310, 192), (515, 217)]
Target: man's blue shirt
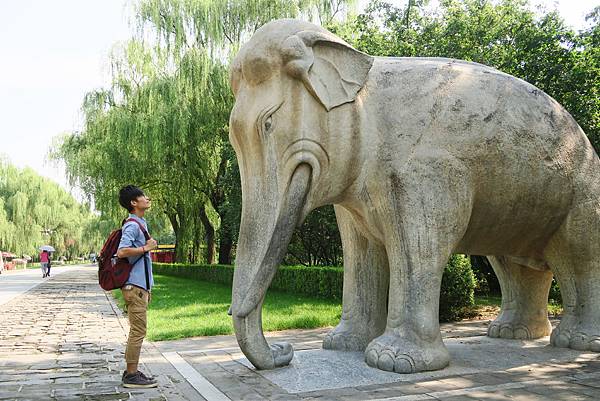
[(133, 237)]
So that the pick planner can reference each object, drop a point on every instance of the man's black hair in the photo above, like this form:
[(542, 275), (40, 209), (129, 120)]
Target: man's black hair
[(127, 194)]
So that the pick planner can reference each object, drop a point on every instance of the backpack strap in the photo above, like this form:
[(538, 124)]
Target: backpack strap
[(147, 237)]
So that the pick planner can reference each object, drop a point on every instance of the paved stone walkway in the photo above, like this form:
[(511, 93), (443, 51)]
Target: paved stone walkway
[(531, 376), (63, 340), (15, 282)]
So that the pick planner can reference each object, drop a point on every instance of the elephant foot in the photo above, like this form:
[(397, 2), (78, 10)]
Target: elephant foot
[(581, 337), (345, 337), (397, 354), (519, 328)]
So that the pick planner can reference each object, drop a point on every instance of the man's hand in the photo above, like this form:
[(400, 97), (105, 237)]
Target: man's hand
[(127, 252), (151, 244)]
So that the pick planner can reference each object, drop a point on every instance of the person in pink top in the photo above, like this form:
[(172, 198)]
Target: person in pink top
[(44, 262)]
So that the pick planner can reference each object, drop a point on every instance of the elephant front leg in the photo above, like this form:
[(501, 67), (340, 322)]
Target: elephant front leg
[(366, 280), (412, 341), (424, 228), (524, 312)]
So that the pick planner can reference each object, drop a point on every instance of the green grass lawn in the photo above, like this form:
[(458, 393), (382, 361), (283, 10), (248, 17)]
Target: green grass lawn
[(488, 300), (491, 301), (185, 308)]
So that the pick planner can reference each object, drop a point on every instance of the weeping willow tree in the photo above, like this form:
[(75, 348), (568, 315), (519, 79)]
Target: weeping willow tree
[(153, 128), (221, 25), (35, 211), (163, 123), (218, 27)]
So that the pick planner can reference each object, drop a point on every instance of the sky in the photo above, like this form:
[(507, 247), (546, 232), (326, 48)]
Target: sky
[(53, 52)]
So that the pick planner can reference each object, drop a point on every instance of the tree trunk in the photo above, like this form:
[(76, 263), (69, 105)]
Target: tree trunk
[(197, 249), (225, 246), (210, 237), (182, 244), (211, 247)]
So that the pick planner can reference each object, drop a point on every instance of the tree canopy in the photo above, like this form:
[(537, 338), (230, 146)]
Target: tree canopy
[(35, 211), (537, 47), (163, 122)]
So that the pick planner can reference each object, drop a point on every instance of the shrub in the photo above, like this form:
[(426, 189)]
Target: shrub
[(554, 294), (222, 274), (456, 296), (458, 285), (322, 282), (487, 282)]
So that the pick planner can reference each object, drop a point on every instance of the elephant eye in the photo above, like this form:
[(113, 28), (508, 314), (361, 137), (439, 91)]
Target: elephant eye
[(264, 122), (268, 124)]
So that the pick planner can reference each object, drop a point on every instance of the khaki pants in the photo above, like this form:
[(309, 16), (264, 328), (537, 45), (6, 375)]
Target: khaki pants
[(136, 300)]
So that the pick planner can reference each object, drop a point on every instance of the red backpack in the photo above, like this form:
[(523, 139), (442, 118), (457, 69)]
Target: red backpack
[(113, 272)]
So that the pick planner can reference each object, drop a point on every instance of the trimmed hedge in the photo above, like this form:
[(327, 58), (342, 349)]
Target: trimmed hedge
[(322, 282), (457, 292), (222, 274)]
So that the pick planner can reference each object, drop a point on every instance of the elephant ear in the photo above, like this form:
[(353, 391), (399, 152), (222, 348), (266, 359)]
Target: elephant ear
[(235, 75), (331, 70)]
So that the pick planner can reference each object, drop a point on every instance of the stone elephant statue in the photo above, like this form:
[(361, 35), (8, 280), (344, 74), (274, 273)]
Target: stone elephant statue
[(422, 158)]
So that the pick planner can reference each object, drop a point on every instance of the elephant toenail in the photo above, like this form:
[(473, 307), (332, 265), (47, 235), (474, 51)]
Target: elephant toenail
[(561, 340), (386, 362), (372, 357), (403, 365), (506, 332), (595, 345), (493, 331), (521, 333)]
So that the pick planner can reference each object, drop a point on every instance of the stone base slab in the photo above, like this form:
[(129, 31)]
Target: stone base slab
[(319, 369)]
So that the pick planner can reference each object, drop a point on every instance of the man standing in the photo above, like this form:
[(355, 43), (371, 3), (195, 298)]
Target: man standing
[(136, 245)]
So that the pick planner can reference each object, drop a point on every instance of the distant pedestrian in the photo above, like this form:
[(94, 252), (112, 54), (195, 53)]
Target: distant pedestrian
[(136, 245), (44, 258), (49, 264)]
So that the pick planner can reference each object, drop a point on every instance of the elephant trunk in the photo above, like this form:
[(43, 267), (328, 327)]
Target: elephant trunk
[(262, 246)]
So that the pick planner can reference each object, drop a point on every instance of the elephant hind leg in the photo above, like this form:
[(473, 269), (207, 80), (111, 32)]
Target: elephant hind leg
[(574, 256), (366, 281), (523, 313)]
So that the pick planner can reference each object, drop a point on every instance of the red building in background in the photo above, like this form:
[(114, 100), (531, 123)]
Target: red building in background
[(163, 254)]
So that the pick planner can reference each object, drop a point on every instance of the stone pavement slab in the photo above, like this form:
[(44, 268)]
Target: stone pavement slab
[(64, 340), (482, 369), (318, 369), (16, 282)]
